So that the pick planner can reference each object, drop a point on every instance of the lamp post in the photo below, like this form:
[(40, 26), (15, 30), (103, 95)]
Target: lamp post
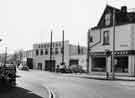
[(88, 50), (113, 51), (51, 67), (5, 57), (63, 47)]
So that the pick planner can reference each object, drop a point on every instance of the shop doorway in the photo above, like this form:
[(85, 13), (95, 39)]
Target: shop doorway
[(50, 65), (39, 66), (98, 64)]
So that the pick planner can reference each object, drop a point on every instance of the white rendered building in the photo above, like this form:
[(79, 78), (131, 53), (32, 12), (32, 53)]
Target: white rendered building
[(72, 55), (100, 39)]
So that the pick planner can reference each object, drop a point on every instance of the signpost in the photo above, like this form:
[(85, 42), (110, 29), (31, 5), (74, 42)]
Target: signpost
[(113, 54)]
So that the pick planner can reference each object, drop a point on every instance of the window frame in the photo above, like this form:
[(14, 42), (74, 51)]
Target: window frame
[(106, 38)]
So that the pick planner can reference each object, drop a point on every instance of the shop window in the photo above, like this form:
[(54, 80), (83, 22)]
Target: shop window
[(106, 38)]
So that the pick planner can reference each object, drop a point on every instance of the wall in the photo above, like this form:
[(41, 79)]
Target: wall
[(122, 38), (57, 57)]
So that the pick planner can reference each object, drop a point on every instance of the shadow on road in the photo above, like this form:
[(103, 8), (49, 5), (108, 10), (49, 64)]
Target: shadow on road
[(16, 92)]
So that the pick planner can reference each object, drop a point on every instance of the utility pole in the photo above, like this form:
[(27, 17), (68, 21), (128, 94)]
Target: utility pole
[(88, 49), (63, 47), (113, 52), (51, 66), (5, 57)]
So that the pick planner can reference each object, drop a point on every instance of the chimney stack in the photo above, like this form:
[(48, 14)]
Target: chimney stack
[(124, 9)]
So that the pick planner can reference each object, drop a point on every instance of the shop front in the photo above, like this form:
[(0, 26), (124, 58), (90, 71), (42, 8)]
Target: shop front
[(124, 62)]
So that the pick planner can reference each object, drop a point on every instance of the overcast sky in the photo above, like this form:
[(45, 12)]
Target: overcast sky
[(24, 22)]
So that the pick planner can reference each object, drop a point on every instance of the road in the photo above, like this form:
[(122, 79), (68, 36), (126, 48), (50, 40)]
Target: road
[(65, 86)]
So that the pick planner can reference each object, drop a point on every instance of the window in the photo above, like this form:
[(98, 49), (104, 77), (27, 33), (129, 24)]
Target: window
[(56, 51), (37, 53), (62, 50), (59, 44), (90, 39), (56, 44), (41, 52), (46, 51), (107, 19), (44, 45), (48, 45), (53, 45), (106, 38), (79, 48), (39, 46), (82, 51)]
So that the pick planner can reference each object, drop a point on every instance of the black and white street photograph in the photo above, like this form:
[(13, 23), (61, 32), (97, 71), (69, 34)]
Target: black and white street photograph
[(67, 49)]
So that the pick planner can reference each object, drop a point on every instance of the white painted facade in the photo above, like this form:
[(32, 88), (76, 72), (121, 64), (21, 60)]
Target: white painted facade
[(70, 52), (124, 41)]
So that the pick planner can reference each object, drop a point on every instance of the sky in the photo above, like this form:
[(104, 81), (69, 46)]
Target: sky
[(25, 22)]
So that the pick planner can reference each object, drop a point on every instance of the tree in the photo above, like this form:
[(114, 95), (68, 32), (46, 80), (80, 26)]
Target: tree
[(20, 56)]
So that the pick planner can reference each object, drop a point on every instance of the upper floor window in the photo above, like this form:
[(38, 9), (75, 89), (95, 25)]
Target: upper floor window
[(79, 49), (46, 51), (38, 46), (106, 38), (41, 52), (56, 51), (82, 51), (56, 44), (90, 39), (44, 45), (62, 50), (107, 19), (37, 52)]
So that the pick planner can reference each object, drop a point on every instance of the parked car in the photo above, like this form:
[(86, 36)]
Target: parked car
[(23, 67), (62, 69), (76, 69)]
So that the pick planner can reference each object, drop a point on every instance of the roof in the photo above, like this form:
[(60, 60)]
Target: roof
[(122, 16)]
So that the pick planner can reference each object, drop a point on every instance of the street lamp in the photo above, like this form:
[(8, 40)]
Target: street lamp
[(113, 51), (107, 54), (88, 50)]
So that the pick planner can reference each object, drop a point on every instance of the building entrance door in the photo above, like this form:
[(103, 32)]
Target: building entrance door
[(39, 66), (50, 65), (30, 63)]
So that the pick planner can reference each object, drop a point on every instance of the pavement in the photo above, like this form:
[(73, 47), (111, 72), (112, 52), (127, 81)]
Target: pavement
[(101, 76)]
